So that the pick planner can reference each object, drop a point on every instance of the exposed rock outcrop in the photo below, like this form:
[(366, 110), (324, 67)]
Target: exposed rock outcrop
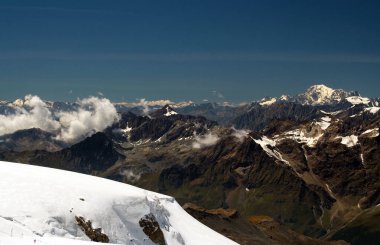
[(95, 234), (152, 229)]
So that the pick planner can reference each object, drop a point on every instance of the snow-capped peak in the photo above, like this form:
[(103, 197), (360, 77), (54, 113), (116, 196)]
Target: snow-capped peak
[(18, 102), (321, 95), (267, 101), (169, 111), (284, 97)]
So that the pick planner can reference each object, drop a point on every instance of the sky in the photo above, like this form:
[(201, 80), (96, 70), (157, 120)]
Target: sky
[(187, 50)]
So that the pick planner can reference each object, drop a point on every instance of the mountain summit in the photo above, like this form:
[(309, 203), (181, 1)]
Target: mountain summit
[(322, 95), (166, 111)]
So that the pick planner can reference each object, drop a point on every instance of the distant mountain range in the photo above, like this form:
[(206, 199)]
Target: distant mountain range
[(302, 169)]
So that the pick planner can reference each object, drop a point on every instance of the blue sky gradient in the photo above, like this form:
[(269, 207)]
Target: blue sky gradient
[(184, 50)]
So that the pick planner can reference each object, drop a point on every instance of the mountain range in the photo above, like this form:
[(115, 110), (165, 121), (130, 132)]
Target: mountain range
[(298, 169)]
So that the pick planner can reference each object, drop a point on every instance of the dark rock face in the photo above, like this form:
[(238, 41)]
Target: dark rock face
[(175, 176), (215, 112), (229, 166), (30, 139), (152, 229), (363, 229), (173, 127), (255, 230), (93, 155), (95, 235), (236, 228), (258, 117), (131, 120), (163, 112)]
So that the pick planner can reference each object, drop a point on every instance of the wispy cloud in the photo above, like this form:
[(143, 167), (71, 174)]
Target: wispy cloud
[(217, 94), (192, 57), (205, 140), (240, 134), (51, 8)]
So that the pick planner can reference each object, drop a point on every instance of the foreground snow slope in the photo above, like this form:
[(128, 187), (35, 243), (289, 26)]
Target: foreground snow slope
[(41, 203)]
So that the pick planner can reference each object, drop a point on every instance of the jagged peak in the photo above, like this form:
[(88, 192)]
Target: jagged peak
[(166, 110)]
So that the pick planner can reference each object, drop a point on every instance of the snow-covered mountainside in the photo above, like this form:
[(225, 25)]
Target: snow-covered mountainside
[(322, 95), (48, 206), (316, 95)]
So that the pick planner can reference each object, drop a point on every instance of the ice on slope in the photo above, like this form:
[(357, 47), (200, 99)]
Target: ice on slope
[(44, 202), (266, 144)]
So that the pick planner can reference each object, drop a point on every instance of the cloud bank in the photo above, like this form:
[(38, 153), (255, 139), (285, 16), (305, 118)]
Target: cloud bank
[(144, 102), (39, 116), (92, 115)]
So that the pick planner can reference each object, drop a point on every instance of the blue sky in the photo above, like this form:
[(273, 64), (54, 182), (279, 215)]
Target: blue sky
[(184, 50)]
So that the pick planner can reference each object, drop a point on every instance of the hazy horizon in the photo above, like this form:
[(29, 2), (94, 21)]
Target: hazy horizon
[(243, 50)]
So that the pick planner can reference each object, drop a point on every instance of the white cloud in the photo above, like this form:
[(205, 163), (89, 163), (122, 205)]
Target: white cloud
[(240, 134), (144, 102), (206, 140), (145, 106), (39, 116), (92, 115)]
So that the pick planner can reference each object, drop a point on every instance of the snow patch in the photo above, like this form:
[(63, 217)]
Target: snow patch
[(325, 123), (373, 109), (371, 133), (301, 137), (284, 98), (127, 129), (362, 158), (269, 101), (334, 113), (349, 141), (264, 142), (358, 100), (170, 112)]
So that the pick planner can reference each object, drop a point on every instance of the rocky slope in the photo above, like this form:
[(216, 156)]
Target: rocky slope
[(299, 168)]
